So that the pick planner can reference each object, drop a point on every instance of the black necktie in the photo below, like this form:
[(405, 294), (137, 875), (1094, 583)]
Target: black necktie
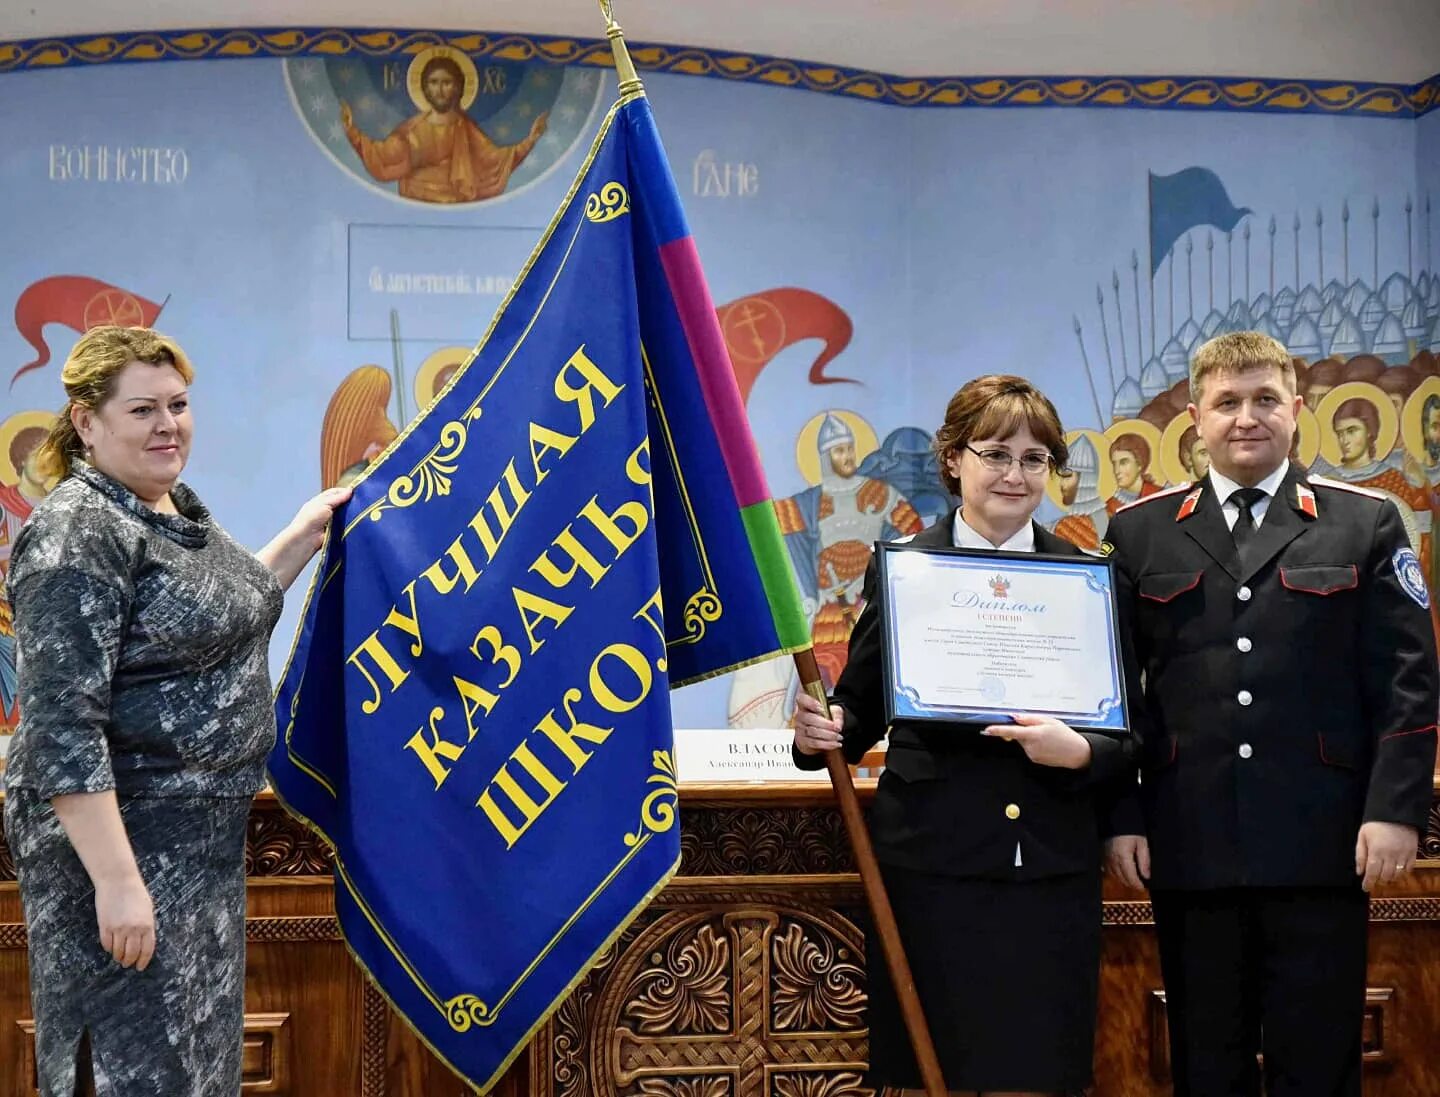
[(1244, 529)]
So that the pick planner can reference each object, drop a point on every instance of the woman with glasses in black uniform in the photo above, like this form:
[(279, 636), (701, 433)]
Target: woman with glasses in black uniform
[(988, 839)]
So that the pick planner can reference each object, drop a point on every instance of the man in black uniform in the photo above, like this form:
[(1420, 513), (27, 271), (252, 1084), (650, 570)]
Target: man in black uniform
[(1287, 727)]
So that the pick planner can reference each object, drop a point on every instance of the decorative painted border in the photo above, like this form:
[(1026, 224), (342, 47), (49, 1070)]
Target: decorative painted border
[(1425, 96), (1146, 92)]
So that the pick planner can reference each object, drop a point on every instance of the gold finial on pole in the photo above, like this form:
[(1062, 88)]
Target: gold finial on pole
[(624, 67)]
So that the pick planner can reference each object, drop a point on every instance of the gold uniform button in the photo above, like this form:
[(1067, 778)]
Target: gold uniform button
[(1012, 811)]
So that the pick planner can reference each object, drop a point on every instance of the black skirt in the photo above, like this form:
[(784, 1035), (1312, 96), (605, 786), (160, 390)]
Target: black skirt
[(1007, 974)]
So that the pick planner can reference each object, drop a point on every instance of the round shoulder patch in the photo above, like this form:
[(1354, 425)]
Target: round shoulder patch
[(1412, 579)]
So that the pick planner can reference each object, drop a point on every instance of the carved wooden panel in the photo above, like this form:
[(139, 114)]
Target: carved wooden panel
[(28, 1071), (1419, 908), (715, 995), (292, 929), (1379, 1017), (757, 988), (375, 1032), (716, 840), (1430, 843), (266, 1055), (758, 841), (13, 936), (278, 845)]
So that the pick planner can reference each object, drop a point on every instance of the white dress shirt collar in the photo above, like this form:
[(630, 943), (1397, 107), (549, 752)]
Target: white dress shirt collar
[(1224, 487), (966, 538)]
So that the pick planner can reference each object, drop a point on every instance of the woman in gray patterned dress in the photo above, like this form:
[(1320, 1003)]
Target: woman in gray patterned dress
[(146, 716)]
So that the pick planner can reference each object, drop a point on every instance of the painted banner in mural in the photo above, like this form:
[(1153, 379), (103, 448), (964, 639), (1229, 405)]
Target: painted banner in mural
[(328, 235)]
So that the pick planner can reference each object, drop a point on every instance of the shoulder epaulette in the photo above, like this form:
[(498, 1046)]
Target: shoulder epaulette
[(1157, 495), (1341, 485)]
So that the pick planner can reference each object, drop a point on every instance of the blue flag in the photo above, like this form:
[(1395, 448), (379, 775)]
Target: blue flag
[(476, 712), (1181, 201)]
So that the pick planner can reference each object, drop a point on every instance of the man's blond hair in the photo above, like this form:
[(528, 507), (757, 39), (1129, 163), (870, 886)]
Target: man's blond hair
[(1239, 352)]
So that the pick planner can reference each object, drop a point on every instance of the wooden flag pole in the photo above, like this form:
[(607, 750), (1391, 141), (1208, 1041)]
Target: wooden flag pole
[(880, 909), (809, 671)]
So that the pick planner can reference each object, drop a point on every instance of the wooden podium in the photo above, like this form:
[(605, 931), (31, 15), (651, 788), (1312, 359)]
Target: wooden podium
[(745, 978)]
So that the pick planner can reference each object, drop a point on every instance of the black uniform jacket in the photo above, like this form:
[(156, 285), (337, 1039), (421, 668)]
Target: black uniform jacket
[(952, 801), (1285, 702)]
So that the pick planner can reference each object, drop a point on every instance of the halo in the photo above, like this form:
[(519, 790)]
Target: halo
[(9, 429), (1412, 429), (1148, 431), (417, 66), (425, 387), (1352, 390), (807, 457), (1171, 467), (1308, 430), (1106, 485)]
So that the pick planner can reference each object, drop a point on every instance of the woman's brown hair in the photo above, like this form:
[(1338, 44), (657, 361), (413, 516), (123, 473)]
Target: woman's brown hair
[(996, 406)]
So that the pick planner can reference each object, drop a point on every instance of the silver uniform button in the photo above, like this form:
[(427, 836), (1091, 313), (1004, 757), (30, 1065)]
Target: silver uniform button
[(1244, 697), (1244, 643), (1243, 594), (1245, 750)]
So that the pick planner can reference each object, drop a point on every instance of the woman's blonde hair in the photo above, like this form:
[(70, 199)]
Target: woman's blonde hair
[(89, 380)]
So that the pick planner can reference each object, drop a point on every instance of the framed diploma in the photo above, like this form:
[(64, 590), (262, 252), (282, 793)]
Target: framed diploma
[(974, 637)]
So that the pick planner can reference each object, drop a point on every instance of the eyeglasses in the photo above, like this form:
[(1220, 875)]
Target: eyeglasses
[(999, 460)]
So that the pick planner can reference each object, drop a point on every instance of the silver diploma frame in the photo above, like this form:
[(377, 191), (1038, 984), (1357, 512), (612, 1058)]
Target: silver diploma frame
[(976, 637)]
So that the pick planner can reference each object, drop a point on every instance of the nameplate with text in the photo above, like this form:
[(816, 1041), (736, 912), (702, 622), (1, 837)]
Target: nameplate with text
[(738, 754)]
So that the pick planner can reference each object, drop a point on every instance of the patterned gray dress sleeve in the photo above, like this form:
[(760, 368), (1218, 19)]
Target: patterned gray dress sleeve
[(67, 632)]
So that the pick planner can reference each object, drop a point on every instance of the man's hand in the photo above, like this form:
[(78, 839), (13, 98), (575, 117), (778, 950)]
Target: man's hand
[(1128, 857), (1384, 852)]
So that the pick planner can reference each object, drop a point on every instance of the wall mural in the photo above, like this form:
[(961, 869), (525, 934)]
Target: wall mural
[(422, 129), (1363, 340), (328, 232)]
